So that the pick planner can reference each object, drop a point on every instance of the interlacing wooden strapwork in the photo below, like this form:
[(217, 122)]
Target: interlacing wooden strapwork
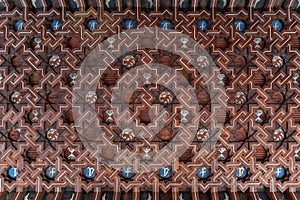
[(260, 70)]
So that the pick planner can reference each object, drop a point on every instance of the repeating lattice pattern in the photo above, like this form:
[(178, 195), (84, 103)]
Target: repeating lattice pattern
[(252, 83)]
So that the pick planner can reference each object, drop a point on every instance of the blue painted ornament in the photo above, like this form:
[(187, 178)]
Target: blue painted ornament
[(51, 172), (166, 24), (55, 24), (129, 24), (240, 25), (277, 24), (12, 173), (203, 25), (127, 172), (203, 173), (18, 25), (165, 172), (92, 24), (89, 172), (280, 172), (241, 172)]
